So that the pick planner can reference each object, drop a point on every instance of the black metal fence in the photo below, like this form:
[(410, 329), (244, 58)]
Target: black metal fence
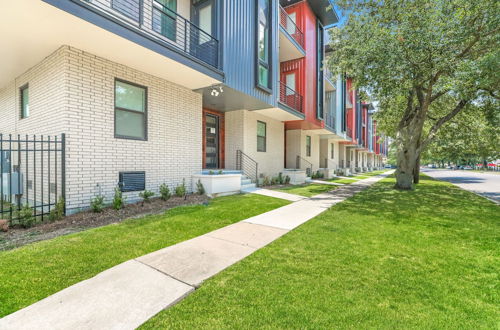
[(248, 166), (32, 176)]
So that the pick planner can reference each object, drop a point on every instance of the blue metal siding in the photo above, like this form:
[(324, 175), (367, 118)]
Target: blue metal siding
[(239, 48)]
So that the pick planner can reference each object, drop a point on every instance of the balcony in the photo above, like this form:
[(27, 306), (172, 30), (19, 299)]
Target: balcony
[(165, 25), (140, 34), (291, 38), (290, 98)]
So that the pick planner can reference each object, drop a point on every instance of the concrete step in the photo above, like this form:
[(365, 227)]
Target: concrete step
[(245, 181), (248, 186)]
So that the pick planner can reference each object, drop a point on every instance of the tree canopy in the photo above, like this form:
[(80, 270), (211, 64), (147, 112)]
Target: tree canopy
[(424, 61)]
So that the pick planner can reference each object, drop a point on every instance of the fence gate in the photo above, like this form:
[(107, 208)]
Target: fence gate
[(32, 174)]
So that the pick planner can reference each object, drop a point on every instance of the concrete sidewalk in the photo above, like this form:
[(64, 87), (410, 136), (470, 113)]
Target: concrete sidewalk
[(129, 294)]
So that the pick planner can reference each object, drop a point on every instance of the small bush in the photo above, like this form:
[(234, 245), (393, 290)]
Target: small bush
[(57, 213), (165, 193), (146, 196), (97, 204), (118, 199), (220, 172), (266, 182), (199, 188), (180, 190), (274, 181), (281, 180), (287, 179), (25, 216)]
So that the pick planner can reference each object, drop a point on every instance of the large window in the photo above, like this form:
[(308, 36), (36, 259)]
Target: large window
[(319, 66), (165, 19), (25, 102), (332, 150), (308, 146), (261, 136), (130, 111), (263, 44)]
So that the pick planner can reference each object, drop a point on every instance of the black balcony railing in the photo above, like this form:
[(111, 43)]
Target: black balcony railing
[(164, 24), (290, 27), (290, 98)]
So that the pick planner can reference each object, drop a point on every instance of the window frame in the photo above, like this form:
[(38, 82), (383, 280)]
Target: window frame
[(145, 113), (258, 61), (308, 146), (265, 136), (22, 89)]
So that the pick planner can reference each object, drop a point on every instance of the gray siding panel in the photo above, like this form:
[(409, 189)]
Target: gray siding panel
[(239, 48)]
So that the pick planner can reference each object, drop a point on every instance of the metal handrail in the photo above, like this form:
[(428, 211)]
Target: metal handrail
[(290, 27), (290, 98), (248, 166), (300, 160)]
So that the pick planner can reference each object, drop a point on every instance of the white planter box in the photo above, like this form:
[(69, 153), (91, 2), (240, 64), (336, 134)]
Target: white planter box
[(296, 176), (327, 172), (218, 184)]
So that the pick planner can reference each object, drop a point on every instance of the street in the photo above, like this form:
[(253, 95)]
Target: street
[(486, 184)]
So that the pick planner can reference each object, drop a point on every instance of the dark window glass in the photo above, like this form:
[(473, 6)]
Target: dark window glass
[(332, 150), (261, 136), (308, 146), (165, 18), (25, 102)]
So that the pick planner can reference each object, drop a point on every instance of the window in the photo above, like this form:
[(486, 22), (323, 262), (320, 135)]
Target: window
[(308, 146), (332, 150), (261, 136), (129, 8), (25, 102), (132, 181), (164, 19), (290, 83), (130, 111), (319, 69), (263, 44)]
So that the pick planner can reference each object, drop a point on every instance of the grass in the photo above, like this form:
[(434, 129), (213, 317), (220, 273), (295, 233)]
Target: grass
[(307, 190), (422, 259), (35, 271)]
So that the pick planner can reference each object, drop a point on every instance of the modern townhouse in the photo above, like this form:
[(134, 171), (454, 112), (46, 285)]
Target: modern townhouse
[(137, 93)]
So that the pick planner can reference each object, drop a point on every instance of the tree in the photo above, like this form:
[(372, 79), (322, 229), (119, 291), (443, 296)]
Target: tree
[(425, 61)]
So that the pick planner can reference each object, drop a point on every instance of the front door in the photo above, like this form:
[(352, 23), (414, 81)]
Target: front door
[(211, 141)]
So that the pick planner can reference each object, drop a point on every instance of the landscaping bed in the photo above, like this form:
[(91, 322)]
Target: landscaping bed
[(17, 236)]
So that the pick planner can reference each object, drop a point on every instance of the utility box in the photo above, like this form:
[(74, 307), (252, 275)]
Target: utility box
[(5, 161), (12, 184)]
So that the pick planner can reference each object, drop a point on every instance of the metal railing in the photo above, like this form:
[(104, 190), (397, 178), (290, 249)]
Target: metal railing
[(248, 166), (349, 132), (330, 120), (308, 165), (32, 176), (291, 27), (290, 98), (165, 25)]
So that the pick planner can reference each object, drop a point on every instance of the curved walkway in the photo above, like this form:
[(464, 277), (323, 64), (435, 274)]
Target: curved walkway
[(127, 295)]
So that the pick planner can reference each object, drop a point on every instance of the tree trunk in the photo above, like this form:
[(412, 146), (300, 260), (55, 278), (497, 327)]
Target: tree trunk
[(407, 159), (416, 171)]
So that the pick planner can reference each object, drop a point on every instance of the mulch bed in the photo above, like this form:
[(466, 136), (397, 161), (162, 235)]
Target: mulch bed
[(16, 237)]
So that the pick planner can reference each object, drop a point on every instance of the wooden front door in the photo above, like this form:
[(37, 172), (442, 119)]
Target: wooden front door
[(213, 139)]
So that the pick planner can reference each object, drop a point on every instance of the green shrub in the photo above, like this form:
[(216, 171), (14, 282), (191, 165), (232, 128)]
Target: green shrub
[(266, 182), (57, 212), (165, 193), (146, 196), (274, 181), (180, 190), (287, 179), (280, 178), (221, 172), (97, 204), (199, 188), (118, 199), (25, 216)]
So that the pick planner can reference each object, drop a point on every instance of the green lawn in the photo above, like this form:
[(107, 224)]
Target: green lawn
[(307, 190), (422, 259), (35, 271), (343, 181)]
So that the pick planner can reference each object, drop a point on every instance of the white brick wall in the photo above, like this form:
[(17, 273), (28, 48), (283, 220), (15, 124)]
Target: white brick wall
[(325, 153), (296, 145), (241, 133), (72, 92)]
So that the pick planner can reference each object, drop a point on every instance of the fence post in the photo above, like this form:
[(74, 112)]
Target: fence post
[(63, 170)]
